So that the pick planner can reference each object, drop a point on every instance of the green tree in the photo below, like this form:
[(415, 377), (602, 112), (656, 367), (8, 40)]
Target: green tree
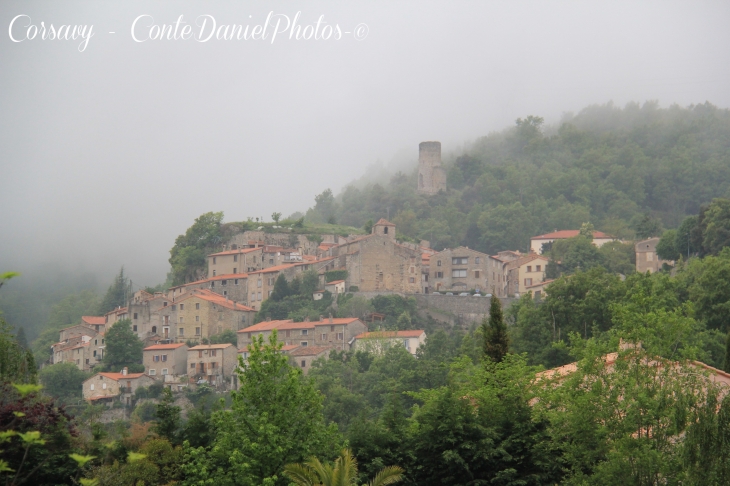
[(168, 417), (116, 295), (276, 217), (275, 419), (726, 363), (281, 289), (666, 248), (342, 473), (123, 347), (16, 362), (716, 226), (710, 292), (647, 227), (309, 283), (226, 336), (188, 256), (494, 330), (63, 381), (368, 226)]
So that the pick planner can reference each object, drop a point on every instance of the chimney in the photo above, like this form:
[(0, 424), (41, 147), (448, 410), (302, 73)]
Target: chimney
[(124, 371), (306, 319), (330, 318), (321, 318)]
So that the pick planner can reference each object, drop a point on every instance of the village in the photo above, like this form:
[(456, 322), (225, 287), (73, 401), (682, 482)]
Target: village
[(175, 326)]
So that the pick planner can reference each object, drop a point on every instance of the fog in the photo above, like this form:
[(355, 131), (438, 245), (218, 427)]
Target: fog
[(106, 155)]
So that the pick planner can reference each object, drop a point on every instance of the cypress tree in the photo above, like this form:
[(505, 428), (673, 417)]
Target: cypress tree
[(494, 330)]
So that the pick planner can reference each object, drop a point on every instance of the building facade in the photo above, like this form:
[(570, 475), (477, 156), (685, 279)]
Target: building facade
[(335, 332), (647, 259), (431, 176), (212, 363), (459, 269), (161, 360), (377, 342)]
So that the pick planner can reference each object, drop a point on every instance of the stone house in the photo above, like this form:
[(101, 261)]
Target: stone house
[(98, 323), (213, 363), (81, 345), (163, 360), (525, 272), (107, 387), (239, 260), (201, 314), (261, 283), (539, 290), (335, 287), (647, 259), (459, 269), (303, 356), (377, 262), (377, 342), (536, 242), (498, 271), (336, 332), (234, 286), (141, 310)]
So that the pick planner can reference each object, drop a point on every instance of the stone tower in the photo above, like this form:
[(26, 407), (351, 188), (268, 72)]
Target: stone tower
[(431, 176)]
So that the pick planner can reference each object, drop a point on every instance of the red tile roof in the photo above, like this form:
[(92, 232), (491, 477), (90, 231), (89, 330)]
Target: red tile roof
[(390, 334), (383, 222), (544, 282), (121, 376), (211, 346), (234, 252), (335, 282), (212, 297), (563, 234), (93, 319), (156, 347), (285, 324)]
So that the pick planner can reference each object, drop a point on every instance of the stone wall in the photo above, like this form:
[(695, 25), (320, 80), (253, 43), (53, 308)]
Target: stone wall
[(463, 310), (284, 240)]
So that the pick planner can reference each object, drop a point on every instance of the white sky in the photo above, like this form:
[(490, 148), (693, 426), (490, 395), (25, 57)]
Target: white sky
[(107, 155)]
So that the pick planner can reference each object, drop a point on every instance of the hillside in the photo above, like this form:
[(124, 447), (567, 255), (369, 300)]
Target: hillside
[(607, 165)]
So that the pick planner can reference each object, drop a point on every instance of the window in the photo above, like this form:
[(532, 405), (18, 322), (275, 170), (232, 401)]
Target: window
[(154, 329), (271, 261), (270, 292), (214, 273), (164, 371), (438, 263), (91, 387), (324, 336), (163, 357), (197, 331), (458, 273), (212, 352), (528, 281), (192, 366), (411, 280), (134, 328), (135, 315), (538, 268), (103, 386), (95, 354), (476, 273), (182, 306), (235, 259), (439, 274), (213, 262), (477, 260), (258, 283), (253, 295), (152, 372), (304, 363), (235, 270), (529, 268), (649, 256), (339, 336), (459, 260), (259, 295), (95, 342), (224, 282), (156, 358), (305, 332), (212, 285), (182, 331), (405, 343), (164, 304), (200, 353), (235, 282), (181, 319), (197, 318), (303, 343), (87, 360), (174, 307)]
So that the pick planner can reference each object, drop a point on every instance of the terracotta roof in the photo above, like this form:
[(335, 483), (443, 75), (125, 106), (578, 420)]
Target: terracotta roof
[(309, 350), (285, 324), (563, 234), (120, 376), (383, 222), (200, 347), (93, 319), (209, 296), (234, 252), (390, 334), (544, 282), (334, 282), (309, 258), (225, 276), (279, 268), (156, 347), (289, 347)]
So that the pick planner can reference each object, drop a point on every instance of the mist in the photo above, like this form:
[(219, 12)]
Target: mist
[(106, 155)]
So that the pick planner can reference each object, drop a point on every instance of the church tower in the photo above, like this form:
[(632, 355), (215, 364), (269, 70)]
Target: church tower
[(431, 176)]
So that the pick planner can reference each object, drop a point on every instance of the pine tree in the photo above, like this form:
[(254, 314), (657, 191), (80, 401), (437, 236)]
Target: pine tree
[(496, 341), (726, 364), (116, 294)]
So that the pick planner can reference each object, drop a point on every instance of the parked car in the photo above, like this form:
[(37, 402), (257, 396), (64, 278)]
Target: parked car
[(436, 293), (477, 295), (449, 293), (464, 294)]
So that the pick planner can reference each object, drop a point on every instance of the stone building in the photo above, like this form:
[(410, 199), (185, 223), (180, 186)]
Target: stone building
[(647, 259), (303, 356), (239, 260), (525, 272), (536, 242), (499, 270), (81, 345), (431, 176), (163, 360), (213, 363), (377, 342), (334, 332), (201, 314), (261, 283), (459, 269), (107, 387), (377, 262), (234, 286)]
